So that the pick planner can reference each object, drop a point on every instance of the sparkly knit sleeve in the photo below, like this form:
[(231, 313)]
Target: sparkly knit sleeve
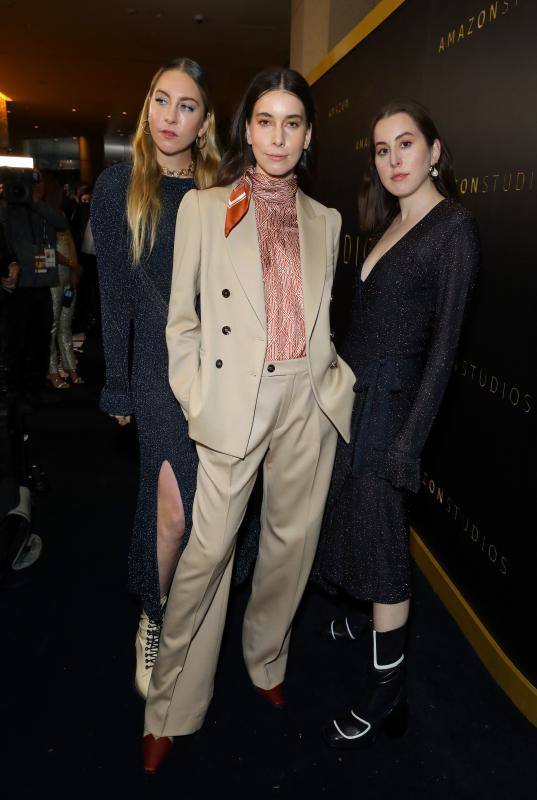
[(457, 264), (109, 230)]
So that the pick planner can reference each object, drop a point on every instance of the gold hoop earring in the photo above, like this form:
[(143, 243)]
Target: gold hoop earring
[(433, 172), (144, 129), (201, 141)]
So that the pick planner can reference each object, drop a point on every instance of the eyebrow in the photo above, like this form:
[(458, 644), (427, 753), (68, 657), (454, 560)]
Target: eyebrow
[(289, 116), (192, 99), (406, 133)]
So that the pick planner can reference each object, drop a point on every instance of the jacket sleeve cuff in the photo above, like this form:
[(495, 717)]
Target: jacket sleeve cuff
[(402, 470), (116, 399)]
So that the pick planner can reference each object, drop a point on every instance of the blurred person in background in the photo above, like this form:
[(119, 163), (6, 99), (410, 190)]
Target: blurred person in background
[(9, 269), (77, 208), (11, 439), (9, 274), (32, 228), (63, 299), (87, 307)]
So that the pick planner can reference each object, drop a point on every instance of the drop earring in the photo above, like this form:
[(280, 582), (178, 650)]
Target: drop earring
[(433, 172)]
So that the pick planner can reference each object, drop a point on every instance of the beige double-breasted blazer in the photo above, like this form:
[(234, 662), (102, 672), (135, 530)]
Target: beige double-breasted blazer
[(216, 363)]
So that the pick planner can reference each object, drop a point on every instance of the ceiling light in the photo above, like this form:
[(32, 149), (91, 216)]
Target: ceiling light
[(124, 113), (36, 126), (17, 161), (74, 109)]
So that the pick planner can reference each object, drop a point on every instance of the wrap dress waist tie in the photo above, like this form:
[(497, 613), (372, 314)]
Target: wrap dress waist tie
[(377, 381)]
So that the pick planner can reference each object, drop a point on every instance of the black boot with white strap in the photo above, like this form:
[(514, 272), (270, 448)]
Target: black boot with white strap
[(347, 629), (383, 704)]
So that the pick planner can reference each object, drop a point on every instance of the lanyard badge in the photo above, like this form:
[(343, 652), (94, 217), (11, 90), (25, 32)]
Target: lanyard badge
[(44, 260)]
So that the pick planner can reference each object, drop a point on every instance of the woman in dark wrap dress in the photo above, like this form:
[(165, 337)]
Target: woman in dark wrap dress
[(408, 310), (133, 217)]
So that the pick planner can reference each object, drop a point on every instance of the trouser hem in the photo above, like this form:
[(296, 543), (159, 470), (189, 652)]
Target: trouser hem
[(189, 724)]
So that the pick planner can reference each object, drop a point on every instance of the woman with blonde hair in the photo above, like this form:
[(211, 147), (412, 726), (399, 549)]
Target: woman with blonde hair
[(133, 216)]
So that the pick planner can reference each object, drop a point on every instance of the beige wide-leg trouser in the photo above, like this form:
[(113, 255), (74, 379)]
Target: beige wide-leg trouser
[(298, 442)]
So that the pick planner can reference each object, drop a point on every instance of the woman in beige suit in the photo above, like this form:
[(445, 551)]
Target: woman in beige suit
[(259, 380)]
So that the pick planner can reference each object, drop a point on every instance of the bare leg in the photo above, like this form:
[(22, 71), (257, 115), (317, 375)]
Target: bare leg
[(170, 526), (387, 617)]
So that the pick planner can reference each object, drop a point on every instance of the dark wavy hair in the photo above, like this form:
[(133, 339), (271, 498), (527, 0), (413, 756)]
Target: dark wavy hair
[(239, 154), (376, 206)]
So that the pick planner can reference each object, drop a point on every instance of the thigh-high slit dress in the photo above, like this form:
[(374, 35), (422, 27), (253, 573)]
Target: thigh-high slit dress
[(138, 296)]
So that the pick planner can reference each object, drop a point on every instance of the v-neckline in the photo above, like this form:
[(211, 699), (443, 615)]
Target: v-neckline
[(394, 245)]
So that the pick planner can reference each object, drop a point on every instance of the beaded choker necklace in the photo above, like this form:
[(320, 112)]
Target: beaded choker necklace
[(185, 172)]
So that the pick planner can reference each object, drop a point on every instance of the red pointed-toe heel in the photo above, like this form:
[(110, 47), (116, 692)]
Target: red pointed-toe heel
[(274, 696), (154, 752)]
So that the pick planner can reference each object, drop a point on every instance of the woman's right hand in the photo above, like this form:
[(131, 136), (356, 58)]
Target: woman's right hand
[(74, 275), (10, 281), (123, 420)]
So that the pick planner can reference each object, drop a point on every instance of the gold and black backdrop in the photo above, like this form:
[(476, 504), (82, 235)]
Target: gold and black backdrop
[(474, 65)]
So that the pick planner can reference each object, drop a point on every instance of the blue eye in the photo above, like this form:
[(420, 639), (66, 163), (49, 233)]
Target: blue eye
[(382, 151), (187, 107), (160, 100)]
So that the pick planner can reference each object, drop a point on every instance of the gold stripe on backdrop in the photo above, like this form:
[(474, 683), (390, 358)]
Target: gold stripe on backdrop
[(522, 693), (375, 18)]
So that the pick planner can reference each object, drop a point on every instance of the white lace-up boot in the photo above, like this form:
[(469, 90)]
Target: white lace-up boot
[(146, 645)]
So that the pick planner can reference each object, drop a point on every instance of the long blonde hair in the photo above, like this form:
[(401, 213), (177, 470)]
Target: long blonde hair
[(143, 202)]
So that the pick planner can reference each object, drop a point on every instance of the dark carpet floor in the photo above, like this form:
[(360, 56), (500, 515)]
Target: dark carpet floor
[(73, 723)]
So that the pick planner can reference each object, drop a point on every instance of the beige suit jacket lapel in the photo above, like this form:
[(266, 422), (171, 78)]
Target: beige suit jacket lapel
[(243, 248), (312, 235)]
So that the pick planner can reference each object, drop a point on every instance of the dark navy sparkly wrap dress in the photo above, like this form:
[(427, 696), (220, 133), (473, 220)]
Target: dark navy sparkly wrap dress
[(162, 429), (406, 325)]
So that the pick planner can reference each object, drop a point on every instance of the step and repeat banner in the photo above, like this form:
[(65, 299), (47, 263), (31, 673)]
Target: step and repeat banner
[(474, 65)]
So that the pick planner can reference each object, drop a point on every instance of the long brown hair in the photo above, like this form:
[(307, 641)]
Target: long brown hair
[(376, 206), (239, 154), (143, 202)]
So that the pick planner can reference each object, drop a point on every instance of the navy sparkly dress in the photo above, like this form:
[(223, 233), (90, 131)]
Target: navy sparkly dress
[(162, 428), (407, 317)]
